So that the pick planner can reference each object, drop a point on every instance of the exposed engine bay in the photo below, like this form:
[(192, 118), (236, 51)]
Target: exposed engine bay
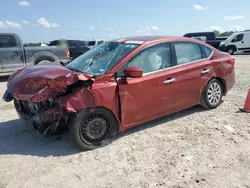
[(46, 117), (46, 102)]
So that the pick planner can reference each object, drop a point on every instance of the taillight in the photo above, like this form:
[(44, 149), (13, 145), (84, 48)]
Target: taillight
[(66, 52), (232, 62)]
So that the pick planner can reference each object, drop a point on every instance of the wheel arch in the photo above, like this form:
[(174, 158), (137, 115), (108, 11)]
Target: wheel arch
[(231, 46), (115, 128), (40, 56), (222, 82)]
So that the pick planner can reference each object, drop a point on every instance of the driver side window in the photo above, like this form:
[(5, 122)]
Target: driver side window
[(152, 59), (238, 38)]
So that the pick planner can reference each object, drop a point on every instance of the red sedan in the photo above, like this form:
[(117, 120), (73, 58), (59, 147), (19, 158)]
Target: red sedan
[(121, 84)]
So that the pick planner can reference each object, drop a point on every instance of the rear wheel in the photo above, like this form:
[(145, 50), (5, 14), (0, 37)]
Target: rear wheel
[(44, 60), (91, 130), (212, 95)]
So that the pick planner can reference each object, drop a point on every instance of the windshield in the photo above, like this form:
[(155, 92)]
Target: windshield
[(230, 38), (82, 43), (102, 58)]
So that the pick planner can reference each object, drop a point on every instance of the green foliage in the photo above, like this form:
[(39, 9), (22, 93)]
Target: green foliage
[(226, 34)]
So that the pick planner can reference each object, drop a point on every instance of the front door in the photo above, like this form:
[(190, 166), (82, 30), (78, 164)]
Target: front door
[(11, 54), (239, 42), (141, 98)]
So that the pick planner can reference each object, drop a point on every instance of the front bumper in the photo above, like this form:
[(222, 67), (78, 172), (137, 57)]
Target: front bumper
[(7, 97), (44, 116), (223, 48)]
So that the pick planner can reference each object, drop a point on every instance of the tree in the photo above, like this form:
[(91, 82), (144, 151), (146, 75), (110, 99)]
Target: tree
[(226, 34)]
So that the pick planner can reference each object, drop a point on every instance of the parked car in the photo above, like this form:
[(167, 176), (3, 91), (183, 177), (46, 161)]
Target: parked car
[(237, 42), (121, 84), (93, 43), (203, 39), (210, 38), (13, 55), (76, 47)]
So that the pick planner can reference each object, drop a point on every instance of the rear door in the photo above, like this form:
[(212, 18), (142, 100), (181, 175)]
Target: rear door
[(141, 98), (11, 53), (190, 73)]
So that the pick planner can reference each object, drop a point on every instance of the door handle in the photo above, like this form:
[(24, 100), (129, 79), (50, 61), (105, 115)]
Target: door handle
[(205, 71), (168, 81), (15, 53)]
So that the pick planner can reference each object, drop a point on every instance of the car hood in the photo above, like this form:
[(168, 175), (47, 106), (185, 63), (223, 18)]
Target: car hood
[(40, 82)]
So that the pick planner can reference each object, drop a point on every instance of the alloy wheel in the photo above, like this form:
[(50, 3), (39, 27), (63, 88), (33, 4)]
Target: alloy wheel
[(214, 94)]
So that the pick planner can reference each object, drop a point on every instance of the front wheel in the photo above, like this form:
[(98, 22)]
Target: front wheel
[(212, 95), (91, 130), (231, 50)]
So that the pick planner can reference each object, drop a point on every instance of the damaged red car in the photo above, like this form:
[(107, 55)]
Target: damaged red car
[(120, 84)]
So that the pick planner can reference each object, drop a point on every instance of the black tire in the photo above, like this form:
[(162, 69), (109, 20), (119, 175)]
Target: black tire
[(231, 50), (209, 99), (43, 61), (18, 109), (101, 121)]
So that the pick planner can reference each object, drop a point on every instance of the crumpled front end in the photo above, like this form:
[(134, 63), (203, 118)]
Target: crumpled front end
[(39, 95), (46, 116), (41, 82)]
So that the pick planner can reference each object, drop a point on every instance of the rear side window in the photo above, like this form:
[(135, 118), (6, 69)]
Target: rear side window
[(187, 52), (207, 51), (54, 43), (7, 41)]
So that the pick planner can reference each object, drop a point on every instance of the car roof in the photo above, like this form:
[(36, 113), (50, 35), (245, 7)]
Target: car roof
[(150, 38)]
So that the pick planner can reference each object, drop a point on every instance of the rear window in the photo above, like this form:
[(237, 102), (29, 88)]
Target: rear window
[(91, 43), (7, 41), (100, 42), (208, 35), (207, 51)]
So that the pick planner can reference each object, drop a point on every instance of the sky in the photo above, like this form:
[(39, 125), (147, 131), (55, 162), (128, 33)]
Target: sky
[(46, 20)]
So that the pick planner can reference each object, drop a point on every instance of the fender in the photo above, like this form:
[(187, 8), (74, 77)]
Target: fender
[(44, 55), (231, 46)]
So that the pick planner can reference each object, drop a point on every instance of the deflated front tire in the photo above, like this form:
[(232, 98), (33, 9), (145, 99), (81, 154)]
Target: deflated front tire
[(92, 128)]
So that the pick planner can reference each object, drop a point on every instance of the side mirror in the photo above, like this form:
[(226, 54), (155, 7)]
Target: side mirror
[(133, 72)]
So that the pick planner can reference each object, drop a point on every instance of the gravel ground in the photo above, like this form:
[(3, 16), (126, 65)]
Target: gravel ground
[(192, 148)]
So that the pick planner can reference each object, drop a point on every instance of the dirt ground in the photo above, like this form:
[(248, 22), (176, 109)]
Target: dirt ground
[(192, 148)]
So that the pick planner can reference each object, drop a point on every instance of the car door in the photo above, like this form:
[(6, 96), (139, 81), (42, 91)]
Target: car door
[(238, 41), (141, 98), (246, 41), (11, 53), (188, 76)]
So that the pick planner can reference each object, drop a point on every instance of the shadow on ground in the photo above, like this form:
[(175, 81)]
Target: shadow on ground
[(16, 137)]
